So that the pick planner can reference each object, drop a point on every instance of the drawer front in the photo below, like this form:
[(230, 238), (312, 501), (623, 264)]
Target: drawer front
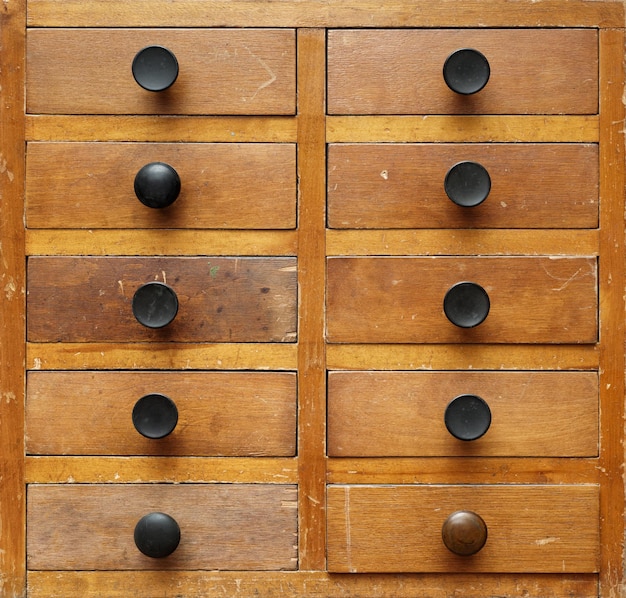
[(92, 185), (222, 526), (76, 299), (403, 186), (400, 71), (406, 414), (400, 300), (221, 71), (530, 529), (213, 413)]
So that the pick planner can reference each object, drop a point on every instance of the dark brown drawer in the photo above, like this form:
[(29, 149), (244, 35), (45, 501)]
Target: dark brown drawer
[(530, 529), (213, 413), (403, 185), (79, 299), (221, 71), (406, 414), (222, 526), (222, 185), (400, 71), (401, 300)]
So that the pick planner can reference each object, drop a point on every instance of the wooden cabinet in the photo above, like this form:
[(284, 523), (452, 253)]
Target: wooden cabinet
[(312, 299)]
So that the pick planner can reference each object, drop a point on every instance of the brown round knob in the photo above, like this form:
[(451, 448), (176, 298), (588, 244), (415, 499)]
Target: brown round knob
[(464, 533)]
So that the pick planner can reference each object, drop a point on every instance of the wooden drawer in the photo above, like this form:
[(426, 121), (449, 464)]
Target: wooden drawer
[(219, 413), (402, 414), (400, 300), (222, 526), (91, 185), (221, 71), (79, 299), (400, 71), (538, 529), (402, 186)]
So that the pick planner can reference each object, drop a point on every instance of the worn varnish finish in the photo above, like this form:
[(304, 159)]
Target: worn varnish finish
[(400, 300), (394, 186), (399, 72), (74, 71), (91, 185), (234, 526), (248, 112), (219, 414), (401, 414), (220, 299), (392, 529)]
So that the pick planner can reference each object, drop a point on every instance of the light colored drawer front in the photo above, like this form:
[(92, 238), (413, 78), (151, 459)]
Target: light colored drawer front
[(400, 300), (91, 185), (402, 186), (221, 71), (400, 71), (531, 529), (222, 526), (77, 299), (402, 414), (219, 413)]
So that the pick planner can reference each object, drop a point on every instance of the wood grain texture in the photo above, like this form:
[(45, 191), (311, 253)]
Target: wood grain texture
[(394, 186), (220, 299), (400, 71), (305, 584), (12, 304), (400, 300), (530, 528), (248, 71), (223, 186), (311, 269), (401, 414), (325, 13), (223, 526), (219, 414)]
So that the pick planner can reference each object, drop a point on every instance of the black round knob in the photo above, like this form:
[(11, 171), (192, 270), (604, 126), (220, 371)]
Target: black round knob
[(467, 184), (155, 305), (466, 71), (157, 185), (157, 535), (155, 416), (155, 68), (464, 533), (467, 417), (466, 304)]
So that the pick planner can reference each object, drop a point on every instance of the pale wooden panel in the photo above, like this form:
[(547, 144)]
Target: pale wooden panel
[(462, 128), (402, 186), (161, 356), (87, 71), (305, 584), (160, 242), (462, 242), (401, 414), (43, 127), (400, 71), (221, 299), (400, 300), (462, 357), (159, 470), (223, 526), (322, 13), (530, 528), (91, 185), (463, 470), (219, 414)]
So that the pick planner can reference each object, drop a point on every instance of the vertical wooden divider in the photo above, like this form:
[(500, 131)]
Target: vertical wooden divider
[(12, 302), (611, 281), (311, 47)]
